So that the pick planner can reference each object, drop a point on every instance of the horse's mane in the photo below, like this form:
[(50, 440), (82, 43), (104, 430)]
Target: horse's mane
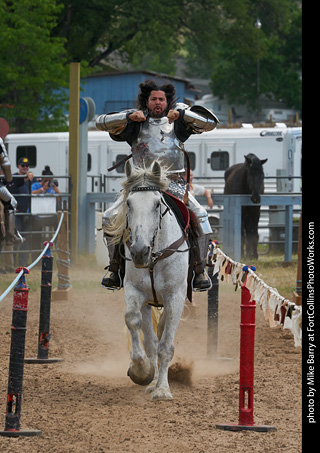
[(139, 177)]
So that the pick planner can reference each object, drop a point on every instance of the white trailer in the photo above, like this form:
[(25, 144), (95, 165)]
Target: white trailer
[(210, 154)]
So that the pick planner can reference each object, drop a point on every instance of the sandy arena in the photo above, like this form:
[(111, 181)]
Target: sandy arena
[(88, 404)]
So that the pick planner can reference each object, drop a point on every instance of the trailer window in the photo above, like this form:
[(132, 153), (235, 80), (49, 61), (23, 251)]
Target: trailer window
[(119, 158), (219, 160), (192, 158), (30, 152)]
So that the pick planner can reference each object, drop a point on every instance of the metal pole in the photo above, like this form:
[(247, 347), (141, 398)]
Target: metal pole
[(247, 333), (45, 308), (74, 113), (213, 313), (18, 337)]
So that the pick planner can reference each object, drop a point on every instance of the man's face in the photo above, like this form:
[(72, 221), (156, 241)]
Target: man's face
[(23, 169), (157, 104)]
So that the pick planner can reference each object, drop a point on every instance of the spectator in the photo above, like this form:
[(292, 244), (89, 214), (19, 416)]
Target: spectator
[(42, 220), (198, 191), (23, 222)]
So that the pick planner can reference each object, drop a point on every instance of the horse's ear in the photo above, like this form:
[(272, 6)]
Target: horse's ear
[(128, 168), (248, 160), (156, 169), (263, 161)]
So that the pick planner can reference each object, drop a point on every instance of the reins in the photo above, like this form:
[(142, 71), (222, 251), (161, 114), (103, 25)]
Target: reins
[(161, 254)]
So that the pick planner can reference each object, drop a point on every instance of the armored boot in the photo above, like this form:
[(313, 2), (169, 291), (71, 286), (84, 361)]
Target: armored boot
[(201, 281), (116, 268)]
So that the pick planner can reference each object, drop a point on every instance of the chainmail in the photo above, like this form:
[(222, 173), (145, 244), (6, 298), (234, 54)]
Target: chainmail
[(177, 186)]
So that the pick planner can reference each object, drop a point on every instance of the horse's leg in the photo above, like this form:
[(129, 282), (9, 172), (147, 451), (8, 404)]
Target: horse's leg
[(252, 222), (150, 342), (166, 346), (141, 370)]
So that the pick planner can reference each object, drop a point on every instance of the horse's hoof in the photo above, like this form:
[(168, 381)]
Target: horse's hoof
[(142, 379), (161, 394)]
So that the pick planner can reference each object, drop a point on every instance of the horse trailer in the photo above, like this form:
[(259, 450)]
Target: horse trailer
[(210, 153)]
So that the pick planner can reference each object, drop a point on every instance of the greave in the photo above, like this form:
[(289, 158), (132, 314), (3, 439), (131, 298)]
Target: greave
[(116, 262), (200, 253)]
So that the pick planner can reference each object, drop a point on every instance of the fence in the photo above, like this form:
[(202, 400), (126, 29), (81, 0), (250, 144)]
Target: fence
[(231, 218), (37, 224), (18, 335)]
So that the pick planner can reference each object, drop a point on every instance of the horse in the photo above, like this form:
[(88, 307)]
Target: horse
[(247, 178), (156, 254)]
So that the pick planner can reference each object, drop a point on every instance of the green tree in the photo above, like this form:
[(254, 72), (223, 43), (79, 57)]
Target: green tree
[(138, 30), (32, 66), (222, 44)]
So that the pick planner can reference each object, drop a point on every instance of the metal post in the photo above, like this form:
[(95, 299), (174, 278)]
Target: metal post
[(18, 336), (45, 308), (247, 333), (288, 233), (213, 312), (74, 113), (247, 337)]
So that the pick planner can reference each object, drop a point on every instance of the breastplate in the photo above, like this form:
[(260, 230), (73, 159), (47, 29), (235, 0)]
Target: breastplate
[(157, 140)]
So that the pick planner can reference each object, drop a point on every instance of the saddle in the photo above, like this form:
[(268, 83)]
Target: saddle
[(185, 219), (179, 209)]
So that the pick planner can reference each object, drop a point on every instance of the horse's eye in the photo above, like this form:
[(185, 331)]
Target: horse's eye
[(157, 205)]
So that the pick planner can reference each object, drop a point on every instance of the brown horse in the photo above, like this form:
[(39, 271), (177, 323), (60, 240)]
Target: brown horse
[(247, 178)]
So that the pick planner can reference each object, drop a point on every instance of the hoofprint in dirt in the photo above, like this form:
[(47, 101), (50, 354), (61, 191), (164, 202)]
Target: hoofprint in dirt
[(87, 403)]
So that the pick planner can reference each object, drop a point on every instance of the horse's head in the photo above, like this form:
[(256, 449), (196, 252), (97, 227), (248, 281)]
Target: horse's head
[(255, 176), (143, 210)]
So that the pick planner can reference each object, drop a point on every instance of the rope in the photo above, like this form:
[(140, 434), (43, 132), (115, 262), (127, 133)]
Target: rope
[(34, 263), (277, 309)]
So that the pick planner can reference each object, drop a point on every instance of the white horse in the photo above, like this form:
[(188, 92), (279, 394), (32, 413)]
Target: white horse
[(156, 273)]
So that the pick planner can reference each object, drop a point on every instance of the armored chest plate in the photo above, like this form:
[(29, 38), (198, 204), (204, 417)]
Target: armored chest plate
[(157, 140)]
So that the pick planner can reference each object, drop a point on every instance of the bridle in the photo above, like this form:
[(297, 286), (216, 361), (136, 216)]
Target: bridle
[(161, 254)]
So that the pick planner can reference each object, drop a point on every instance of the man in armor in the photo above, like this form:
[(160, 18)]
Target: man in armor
[(157, 131), (8, 205)]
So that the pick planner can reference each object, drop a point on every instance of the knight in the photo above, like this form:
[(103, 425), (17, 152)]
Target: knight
[(157, 130)]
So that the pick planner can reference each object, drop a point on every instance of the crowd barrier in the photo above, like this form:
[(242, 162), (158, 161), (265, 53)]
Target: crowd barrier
[(277, 309), (18, 334)]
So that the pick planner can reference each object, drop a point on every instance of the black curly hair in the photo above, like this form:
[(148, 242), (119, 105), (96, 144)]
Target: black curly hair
[(153, 85)]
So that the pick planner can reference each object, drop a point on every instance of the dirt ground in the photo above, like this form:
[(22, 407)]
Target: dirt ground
[(88, 404)]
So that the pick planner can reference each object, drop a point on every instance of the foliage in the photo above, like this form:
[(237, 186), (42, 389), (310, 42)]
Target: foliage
[(32, 66), (275, 47), (214, 39)]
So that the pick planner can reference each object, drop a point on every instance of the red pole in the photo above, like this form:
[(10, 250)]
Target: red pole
[(247, 333)]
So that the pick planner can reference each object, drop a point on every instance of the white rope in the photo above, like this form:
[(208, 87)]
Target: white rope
[(268, 298), (34, 263)]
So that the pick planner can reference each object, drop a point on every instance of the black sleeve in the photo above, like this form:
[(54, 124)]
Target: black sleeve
[(180, 128), (129, 134)]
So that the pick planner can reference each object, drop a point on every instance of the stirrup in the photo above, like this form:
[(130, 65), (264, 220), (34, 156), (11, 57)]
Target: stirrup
[(199, 290), (113, 288)]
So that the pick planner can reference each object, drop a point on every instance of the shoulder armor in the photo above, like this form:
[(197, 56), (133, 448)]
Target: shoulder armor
[(200, 119), (114, 122)]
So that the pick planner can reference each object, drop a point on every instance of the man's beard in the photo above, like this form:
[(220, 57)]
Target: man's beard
[(157, 113)]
